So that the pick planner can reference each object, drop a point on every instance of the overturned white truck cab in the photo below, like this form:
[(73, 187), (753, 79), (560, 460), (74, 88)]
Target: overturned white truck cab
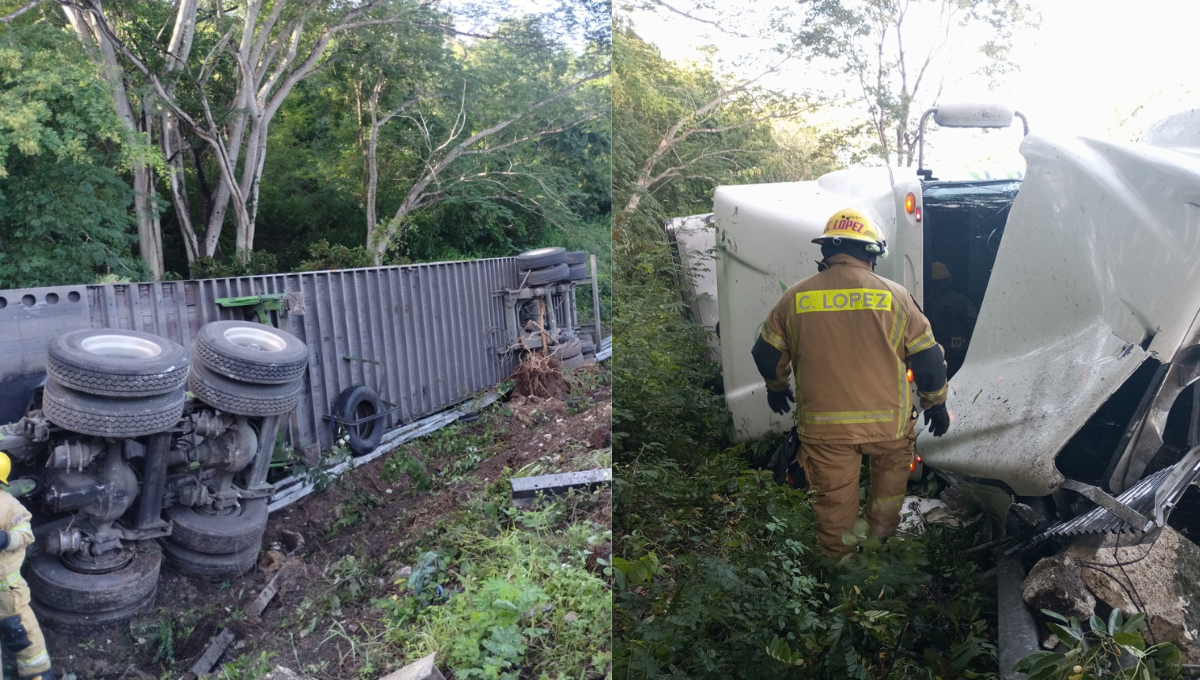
[(1079, 369)]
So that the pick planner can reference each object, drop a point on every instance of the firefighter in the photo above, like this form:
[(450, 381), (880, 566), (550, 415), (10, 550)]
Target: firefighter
[(951, 315), (19, 630), (849, 338)]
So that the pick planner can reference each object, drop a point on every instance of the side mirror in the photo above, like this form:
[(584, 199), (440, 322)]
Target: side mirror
[(973, 115), (965, 116)]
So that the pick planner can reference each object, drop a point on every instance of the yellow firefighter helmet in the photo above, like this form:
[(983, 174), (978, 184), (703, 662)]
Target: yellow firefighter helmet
[(851, 224), (940, 272), (5, 467)]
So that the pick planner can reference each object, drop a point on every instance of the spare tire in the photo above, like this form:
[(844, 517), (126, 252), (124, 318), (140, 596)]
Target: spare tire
[(576, 257), (55, 585), (587, 346), (357, 403), (251, 352), (117, 363), (219, 534), (541, 258), (569, 347), (537, 277), (241, 398), (107, 417), (577, 272), (575, 362), (206, 566)]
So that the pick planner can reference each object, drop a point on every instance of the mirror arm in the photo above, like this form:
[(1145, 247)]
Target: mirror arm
[(921, 138), (1024, 121)]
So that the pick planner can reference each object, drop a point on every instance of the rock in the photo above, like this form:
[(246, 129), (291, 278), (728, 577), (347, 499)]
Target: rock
[(954, 499), (1055, 584), (423, 669), (1050, 643), (1164, 575), (402, 574), (600, 438), (293, 541), (282, 673), (571, 617)]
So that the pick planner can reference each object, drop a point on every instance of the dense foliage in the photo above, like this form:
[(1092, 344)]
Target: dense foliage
[(77, 135), (64, 205)]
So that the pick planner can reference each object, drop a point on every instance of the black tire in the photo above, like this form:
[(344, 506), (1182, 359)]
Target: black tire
[(575, 362), (587, 346), (208, 567), (356, 403), (72, 622), (216, 535), (569, 347), (55, 585), (576, 257), (537, 277), (541, 258), (251, 352), (107, 417), (117, 363), (240, 398), (577, 272)]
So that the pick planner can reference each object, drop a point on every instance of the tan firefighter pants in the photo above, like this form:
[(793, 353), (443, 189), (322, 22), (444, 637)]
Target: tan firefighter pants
[(832, 471), (34, 659)]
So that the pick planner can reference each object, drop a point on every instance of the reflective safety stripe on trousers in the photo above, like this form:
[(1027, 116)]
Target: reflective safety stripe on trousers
[(843, 300), (12, 581)]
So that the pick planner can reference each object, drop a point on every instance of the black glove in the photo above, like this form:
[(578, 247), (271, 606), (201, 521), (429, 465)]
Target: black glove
[(937, 418), (3, 540), (784, 456), (781, 402)]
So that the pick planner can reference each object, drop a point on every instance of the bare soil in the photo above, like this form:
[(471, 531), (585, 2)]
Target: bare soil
[(359, 515)]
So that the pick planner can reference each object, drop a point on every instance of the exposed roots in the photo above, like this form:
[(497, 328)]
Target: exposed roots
[(539, 375)]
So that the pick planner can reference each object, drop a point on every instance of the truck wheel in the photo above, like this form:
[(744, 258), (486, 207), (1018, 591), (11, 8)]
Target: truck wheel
[(538, 277), (356, 403), (587, 346), (208, 567), (241, 398), (117, 363), (54, 585), (577, 272), (251, 352), (576, 257), (541, 258), (218, 534), (107, 417), (576, 362), (72, 621), (570, 347)]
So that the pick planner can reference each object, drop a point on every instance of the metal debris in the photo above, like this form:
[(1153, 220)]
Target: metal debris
[(1139, 498), (529, 487)]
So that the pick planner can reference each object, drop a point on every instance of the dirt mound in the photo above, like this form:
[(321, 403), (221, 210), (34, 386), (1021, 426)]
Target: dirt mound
[(539, 375)]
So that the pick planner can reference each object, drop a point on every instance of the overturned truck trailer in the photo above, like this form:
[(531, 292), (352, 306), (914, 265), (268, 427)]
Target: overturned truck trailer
[(144, 417), (1074, 384)]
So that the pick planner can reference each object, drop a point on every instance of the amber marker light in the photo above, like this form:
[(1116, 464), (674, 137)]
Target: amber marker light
[(910, 204)]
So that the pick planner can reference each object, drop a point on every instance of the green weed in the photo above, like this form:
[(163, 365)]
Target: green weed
[(1110, 649), (512, 594)]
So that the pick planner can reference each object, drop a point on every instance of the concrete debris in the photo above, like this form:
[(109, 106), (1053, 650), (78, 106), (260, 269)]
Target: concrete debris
[(424, 669), (1160, 576), (1050, 643), (918, 513), (1055, 584), (283, 673), (402, 574), (954, 500), (215, 649), (264, 598)]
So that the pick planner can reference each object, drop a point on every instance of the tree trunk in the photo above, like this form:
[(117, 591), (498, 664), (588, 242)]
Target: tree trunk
[(173, 149)]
